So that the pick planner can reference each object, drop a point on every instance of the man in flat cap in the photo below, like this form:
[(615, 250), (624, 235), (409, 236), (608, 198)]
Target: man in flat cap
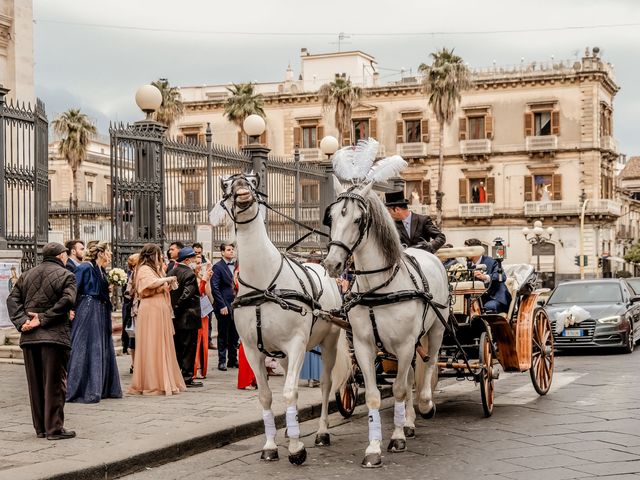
[(415, 230), (39, 307)]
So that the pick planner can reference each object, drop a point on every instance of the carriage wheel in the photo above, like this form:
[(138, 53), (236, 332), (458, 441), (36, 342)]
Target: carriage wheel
[(347, 397), (486, 374), (542, 360)]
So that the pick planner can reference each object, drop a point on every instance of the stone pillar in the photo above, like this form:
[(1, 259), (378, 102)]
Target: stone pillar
[(3, 206), (260, 155), (328, 193)]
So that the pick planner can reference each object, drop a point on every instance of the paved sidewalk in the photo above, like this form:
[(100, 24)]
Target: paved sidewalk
[(115, 434)]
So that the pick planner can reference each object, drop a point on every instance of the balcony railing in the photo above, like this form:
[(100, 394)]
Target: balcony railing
[(475, 210), (607, 142), (475, 147), (421, 209), (542, 143), (562, 207), (311, 155), (418, 149)]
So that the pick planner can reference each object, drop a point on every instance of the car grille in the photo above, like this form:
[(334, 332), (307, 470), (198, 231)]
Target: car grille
[(588, 325)]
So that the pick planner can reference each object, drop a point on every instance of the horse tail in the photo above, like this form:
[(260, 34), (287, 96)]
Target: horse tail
[(343, 367)]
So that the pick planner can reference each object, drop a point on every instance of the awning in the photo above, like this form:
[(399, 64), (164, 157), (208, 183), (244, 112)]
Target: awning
[(615, 259)]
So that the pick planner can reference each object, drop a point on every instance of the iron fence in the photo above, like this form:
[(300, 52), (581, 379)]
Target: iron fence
[(23, 178), (94, 222)]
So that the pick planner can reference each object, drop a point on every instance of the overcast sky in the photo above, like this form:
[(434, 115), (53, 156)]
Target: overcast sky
[(83, 60)]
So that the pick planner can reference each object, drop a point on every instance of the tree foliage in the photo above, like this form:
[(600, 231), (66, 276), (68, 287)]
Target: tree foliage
[(172, 107), (633, 254), (244, 101), (341, 96)]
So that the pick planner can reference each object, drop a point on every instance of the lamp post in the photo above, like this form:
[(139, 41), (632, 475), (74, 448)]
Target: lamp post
[(254, 126), (328, 146), (583, 201), (536, 236)]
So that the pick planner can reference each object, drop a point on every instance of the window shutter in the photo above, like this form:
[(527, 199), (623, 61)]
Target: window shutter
[(462, 190), (556, 187), (373, 128), (491, 189), (488, 127), (424, 130), (319, 135), (462, 129), (528, 188), (399, 131), (297, 137), (426, 192), (528, 124), (240, 139), (555, 122)]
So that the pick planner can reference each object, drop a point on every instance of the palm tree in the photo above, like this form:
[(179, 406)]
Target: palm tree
[(172, 107), (342, 96), (75, 130), (243, 102), (443, 82)]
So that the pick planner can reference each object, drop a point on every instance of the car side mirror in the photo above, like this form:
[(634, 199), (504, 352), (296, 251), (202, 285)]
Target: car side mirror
[(635, 299)]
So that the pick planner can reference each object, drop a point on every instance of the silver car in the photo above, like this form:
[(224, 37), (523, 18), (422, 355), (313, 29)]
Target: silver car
[(614, 314)]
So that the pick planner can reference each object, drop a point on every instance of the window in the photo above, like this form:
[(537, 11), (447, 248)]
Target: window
[(543, 187), (412, 131), (606, 120), (309, 137), (476, 128), (89, 191), (476, 190), (418, 192), (542, 123), (191, 137), (310, 192), (361, 130), (542, 184)]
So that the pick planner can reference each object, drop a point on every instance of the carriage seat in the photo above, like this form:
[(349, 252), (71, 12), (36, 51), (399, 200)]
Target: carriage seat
[(474, 287), (517, 276)]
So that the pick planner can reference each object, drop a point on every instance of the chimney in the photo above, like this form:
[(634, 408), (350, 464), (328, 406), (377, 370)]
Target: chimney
[(376, 79), (288, 77), (304, 52)]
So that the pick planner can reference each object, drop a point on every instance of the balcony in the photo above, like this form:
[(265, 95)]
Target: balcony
[(418, 149), (475, 210), (475, 147), (562, 208), (609, 143), (541, 143), (311, 155)]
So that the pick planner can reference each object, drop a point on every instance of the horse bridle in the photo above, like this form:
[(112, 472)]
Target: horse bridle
[(257, 195), (363, 224)]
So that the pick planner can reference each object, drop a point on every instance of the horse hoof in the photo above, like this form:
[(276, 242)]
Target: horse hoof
[(430, 414), (397, 445), (298, 458), (269, 455), (372, 460), (323, 440), (409, 432)]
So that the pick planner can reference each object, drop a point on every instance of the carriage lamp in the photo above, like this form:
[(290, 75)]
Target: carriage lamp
[(500, 248), (329, 145), (148, 99), (254, 126)]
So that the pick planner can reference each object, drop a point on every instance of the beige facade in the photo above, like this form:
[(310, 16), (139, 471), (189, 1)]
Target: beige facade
[(16, 49), (528, 142)]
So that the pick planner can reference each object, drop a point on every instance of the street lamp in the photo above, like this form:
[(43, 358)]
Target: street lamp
[(254, 126), (149, 99), (536, 236), (329, 145)]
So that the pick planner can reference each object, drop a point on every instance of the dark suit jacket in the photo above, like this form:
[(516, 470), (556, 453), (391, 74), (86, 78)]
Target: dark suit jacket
[(71, 266), (424, 234), (497, 289), (222, 286), (185, 299)]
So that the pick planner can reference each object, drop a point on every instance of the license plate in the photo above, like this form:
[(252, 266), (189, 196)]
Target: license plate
[(573, 333)]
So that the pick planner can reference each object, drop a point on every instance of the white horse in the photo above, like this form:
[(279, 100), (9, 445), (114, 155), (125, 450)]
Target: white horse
[(273, 315), (361, 226)]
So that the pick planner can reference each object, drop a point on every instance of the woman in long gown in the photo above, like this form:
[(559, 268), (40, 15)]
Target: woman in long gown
[(93, 372), (155, 370)]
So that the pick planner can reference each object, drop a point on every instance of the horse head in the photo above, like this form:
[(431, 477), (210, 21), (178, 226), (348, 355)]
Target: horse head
[(241, 196), (349, 220)]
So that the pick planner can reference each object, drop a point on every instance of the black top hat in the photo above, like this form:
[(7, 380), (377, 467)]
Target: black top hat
[(395, 199)]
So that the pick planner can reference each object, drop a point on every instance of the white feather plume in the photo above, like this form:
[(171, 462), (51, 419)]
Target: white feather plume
[(386, 168), (353, 163)]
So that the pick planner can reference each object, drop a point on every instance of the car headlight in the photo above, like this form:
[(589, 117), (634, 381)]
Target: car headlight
[(610, 320)]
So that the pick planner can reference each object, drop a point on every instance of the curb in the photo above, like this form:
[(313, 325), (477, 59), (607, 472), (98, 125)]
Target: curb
[(119, 461)]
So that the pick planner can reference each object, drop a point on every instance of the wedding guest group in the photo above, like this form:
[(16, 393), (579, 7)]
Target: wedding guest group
[(222, 287)]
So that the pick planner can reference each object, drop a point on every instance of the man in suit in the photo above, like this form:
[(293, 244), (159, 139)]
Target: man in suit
[(174, 252), (415, 230), (497, 298), (75, 251), (222, 287), (185, 301)]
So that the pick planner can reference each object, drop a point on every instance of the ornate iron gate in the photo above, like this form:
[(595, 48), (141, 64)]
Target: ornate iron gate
[(24, 184)]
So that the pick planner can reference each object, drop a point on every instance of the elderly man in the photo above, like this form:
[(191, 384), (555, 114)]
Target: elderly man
[(497, 298), (415, 230), (39, 307)]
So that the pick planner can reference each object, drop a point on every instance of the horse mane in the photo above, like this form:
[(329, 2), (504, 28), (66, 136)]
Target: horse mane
[(383, 228)]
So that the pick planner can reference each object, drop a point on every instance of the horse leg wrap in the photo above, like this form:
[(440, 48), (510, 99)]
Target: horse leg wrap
[(399, 415), (375, 427), (269, 424), (293, 427)]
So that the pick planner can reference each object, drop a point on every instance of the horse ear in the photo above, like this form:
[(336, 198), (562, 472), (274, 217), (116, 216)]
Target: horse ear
[(337, 186), (366, 189), (223, 179)]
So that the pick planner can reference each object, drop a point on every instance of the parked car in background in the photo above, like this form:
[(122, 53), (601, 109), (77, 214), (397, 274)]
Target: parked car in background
[(634, 283), (614, 314)]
